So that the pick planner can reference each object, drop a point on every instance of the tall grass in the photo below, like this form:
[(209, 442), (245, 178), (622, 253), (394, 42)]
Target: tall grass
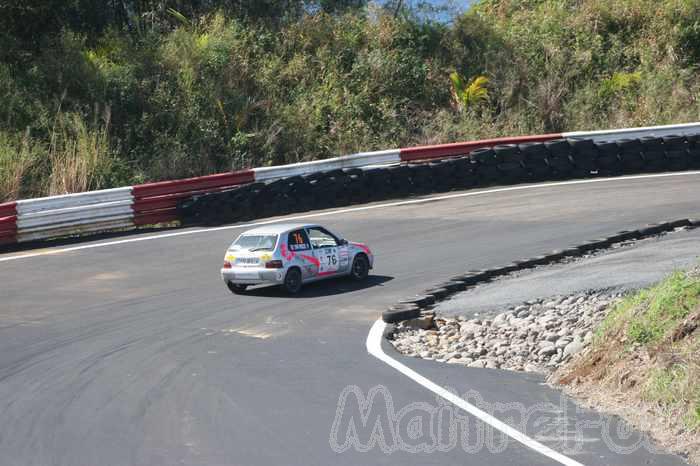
[(17, 155), (77, 158), (79, 155)]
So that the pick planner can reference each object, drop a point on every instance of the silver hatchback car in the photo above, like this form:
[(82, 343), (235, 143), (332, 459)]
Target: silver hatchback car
[(292, 255)]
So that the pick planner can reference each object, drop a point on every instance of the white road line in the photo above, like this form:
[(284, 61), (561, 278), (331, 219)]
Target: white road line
[(344, 211), (374, 347)]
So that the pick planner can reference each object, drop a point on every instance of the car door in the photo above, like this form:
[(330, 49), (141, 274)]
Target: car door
[(300, 250), (326, 251)]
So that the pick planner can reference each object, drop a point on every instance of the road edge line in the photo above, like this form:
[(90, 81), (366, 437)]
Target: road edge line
[(374, 347)]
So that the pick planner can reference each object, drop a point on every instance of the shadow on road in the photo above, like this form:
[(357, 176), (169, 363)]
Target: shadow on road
[(328, 287)]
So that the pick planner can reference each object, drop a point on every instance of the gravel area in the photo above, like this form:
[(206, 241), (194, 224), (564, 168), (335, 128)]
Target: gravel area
[(535, 336)]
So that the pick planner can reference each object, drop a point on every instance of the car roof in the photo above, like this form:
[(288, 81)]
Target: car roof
[(278, 228)]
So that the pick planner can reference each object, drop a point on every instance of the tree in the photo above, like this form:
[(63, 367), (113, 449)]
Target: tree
[(470, 95)]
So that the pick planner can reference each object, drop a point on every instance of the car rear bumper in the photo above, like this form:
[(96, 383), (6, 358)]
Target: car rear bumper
[(252, 276)]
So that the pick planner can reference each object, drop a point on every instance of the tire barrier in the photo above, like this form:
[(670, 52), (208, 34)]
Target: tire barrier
[(501, 164), (157, 202), (422, 305), (351, 179), (464, 148)]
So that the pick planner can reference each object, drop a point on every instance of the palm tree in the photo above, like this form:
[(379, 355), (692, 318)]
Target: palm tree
[(470, 95)]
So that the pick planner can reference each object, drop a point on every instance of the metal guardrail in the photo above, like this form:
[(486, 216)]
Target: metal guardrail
[(74, 214), (91, 226), (684, 129), (361, 159), (42, 204)]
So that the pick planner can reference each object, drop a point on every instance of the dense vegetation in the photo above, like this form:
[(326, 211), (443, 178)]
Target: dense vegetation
[(102, 93)]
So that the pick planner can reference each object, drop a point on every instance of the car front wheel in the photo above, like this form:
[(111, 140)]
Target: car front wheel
[(292, 281), (360, 268)]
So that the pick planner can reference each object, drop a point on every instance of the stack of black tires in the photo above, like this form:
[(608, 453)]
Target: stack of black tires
[(499, 165)]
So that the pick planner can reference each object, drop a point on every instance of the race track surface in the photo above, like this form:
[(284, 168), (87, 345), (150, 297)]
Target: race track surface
[(136, 353)]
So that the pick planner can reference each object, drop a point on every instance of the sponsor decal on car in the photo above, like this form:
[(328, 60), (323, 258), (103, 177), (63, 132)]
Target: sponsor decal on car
[(286, 253), (363, 247), (311, 259)]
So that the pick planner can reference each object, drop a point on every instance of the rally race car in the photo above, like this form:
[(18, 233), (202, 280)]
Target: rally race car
[(292, 255)]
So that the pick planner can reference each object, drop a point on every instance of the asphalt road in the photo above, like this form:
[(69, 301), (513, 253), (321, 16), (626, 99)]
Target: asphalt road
[(136, 354), (630, 267)]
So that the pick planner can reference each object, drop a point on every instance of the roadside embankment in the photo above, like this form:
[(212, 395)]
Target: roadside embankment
[(633, 354), (643, 363)]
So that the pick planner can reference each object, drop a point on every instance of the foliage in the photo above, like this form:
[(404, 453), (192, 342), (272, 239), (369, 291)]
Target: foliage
[(79, 156), (650, 313), (619, 82), (469, 95), (208, 86), (17, 154)]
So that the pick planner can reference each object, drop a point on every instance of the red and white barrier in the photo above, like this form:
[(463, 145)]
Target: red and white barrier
[(463, 148), (8, 223), (153, 203), (157, 202)]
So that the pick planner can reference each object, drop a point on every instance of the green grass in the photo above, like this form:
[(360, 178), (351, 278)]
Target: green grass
[(694, 421), (663, 385), (674, 388), (643, 324), (651, 312)]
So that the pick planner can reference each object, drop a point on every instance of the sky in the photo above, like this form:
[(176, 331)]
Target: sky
[(453, 6)]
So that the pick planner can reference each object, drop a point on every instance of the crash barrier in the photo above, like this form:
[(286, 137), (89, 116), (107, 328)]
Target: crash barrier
[(73, 214), (463, 148), (349, 179), (157, 202), (362, 159), (421, 306), (558, 159), (8, 223)]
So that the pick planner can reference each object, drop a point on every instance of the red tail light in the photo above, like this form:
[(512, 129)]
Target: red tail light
[(227, 265), (273, 265)]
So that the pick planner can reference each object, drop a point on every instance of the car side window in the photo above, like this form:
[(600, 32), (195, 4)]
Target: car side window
[(298, 240), (322, 238)]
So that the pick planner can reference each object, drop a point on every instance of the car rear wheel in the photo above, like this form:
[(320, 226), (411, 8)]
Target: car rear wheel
[(236, 288), (360, 268), (292, 281)]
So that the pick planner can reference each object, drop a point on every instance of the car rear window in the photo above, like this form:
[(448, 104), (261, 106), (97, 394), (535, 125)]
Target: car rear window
[(255, 243)]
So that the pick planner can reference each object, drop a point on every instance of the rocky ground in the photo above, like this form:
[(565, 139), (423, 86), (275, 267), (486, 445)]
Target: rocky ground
[(536, 336)]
